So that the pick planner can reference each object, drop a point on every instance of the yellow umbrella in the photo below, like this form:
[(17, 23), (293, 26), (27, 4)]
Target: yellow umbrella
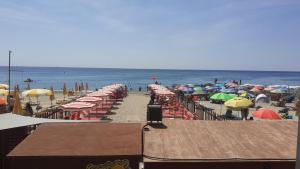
[(65, 90), (76, 89), (17, 105), (52, 97), (3, 92), (238, 103), (37, 92), (4, 86)]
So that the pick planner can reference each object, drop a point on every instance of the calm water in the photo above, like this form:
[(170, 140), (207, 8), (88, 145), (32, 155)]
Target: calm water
[(96, 77)]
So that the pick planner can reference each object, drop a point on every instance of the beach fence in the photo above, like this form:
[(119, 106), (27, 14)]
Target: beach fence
[(199, 111)]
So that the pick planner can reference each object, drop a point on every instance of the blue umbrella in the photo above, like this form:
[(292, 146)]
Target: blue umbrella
[(229, 90), (188, 90)]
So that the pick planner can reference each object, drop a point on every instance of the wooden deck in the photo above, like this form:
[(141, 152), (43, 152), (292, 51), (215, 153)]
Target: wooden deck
[(221, 141)]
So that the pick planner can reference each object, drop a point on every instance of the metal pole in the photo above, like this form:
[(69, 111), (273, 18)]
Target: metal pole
[(9, 52), (298, 148)]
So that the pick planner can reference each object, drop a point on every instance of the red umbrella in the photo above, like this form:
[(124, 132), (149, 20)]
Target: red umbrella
[(153, 78), (266, 114)]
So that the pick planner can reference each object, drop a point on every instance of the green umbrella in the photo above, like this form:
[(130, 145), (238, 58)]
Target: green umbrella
[(190, 85), (222, 97), (198, 89)]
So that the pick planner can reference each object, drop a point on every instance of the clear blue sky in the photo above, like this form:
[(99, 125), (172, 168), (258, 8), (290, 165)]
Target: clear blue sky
[(178, 34)]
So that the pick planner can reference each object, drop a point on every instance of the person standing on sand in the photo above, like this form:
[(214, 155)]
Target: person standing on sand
[(245, 113), (152, 98)]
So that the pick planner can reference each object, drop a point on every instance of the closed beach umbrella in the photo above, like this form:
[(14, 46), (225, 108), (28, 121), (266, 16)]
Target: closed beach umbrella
[(65, 90), (16, 91), (266, 114), (3, 101), (86, 87), (76, 89), (222, 97), (51, 97), (3, 92), (82, 86), (17, 105), (238, 103), (4, 86)]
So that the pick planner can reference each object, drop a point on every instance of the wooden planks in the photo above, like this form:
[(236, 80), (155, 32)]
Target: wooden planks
[(222, 141)]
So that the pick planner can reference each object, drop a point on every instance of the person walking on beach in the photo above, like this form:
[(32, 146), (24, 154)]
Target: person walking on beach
[(216, 80)]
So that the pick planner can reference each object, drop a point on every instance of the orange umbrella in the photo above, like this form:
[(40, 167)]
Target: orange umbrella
[(266, 114), (3, 101)]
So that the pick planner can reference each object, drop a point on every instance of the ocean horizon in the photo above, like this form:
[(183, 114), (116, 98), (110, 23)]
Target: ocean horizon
[(44, 77)]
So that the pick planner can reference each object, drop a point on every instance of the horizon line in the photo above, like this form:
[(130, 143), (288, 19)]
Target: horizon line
[(183, 69)]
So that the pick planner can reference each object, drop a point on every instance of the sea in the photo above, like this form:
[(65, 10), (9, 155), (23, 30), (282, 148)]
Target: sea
[(45, 77)]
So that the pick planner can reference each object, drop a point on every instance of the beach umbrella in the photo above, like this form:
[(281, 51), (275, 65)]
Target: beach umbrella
[(36, 93), (191, 85), (3, 92), (86, 87), (17, 109), (229, 90), (266, 114), (199, 90), (256, 90), (238, 103), (4, 86), (280, 90), (153, 78), (188, 90), (82, 86), (182, 87), (3, 101), (222, 97), (51, 97), (65, 90), (269, 89), (262, 98), (231, 85), (76, 89), (247, 94), (16, 91)]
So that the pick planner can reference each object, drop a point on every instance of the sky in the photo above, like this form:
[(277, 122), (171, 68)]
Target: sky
[(155, 34)]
